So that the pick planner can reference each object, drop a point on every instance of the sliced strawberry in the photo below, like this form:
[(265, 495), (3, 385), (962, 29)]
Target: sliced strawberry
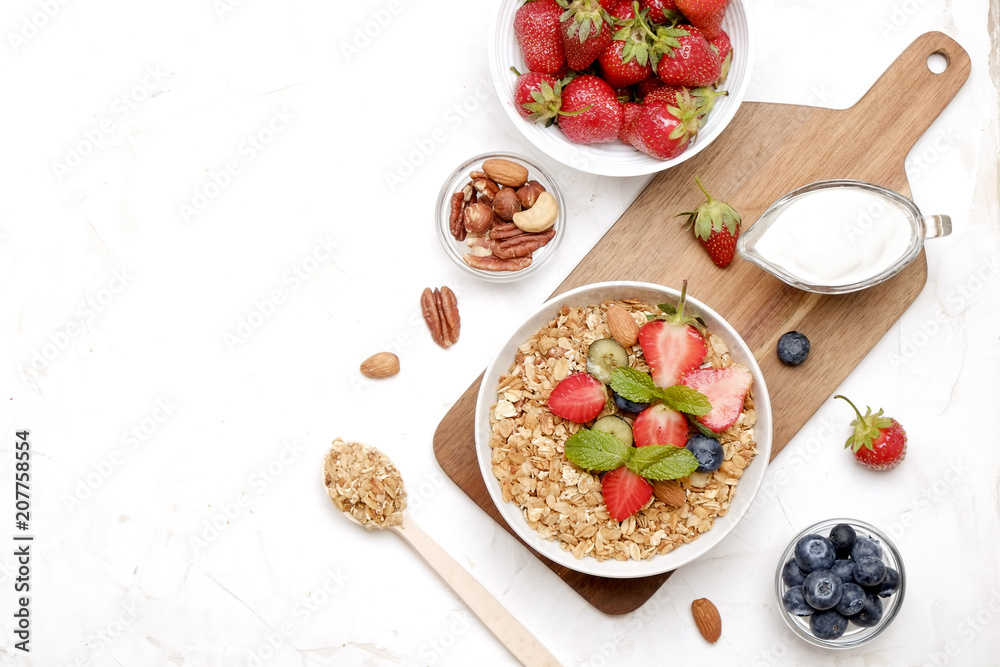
[(672, 346), (579, 398), (625, 492), (726, 389), (659, 425)]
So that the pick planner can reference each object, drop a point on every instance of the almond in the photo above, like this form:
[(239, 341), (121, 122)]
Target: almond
[(670, 492), (506, 172), (622, 326), (706, 617), (380, 365)]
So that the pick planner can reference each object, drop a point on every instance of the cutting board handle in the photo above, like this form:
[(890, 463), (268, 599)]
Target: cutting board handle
[(926, 93)]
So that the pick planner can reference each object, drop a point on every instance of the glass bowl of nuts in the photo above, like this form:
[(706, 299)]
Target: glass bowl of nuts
[(499, 216)]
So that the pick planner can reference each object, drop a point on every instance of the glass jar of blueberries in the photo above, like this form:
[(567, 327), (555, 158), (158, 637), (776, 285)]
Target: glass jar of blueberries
[(840, 583)]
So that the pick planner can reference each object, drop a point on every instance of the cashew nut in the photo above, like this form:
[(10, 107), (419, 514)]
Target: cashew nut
[(539, 217)]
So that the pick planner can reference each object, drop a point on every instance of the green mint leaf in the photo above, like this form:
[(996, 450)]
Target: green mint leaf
[(684, 399), (596, 451), (633, 385), (662, 462)]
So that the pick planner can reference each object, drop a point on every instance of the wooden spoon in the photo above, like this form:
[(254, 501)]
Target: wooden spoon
[(518, 640)]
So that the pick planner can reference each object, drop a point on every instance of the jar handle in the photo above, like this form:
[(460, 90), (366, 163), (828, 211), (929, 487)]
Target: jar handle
[(936, 226)]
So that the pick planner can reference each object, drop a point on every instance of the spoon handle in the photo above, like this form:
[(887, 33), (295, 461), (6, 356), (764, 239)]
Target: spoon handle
[(507, 629)]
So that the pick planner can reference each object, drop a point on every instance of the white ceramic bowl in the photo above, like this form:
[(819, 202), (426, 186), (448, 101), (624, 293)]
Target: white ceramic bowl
[(615, 158), (746, 490)]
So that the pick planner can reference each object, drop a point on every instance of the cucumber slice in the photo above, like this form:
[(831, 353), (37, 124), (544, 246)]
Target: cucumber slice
[(616, 426), (604, 356)]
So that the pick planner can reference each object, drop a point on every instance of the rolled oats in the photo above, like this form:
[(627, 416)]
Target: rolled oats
[(564, 503), (365, 484)]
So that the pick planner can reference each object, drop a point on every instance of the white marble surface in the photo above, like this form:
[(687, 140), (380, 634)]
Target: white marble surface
[(177, 508)]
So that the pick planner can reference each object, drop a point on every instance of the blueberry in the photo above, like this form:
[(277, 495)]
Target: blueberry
[(822, 589), (843, 537), (870, 614), (814, 552), (843, 568), (869, 571), (851, 600), (793, 348), (829, 624), (795, 602), (888, 586), (707, 450), (791, 574), (865, 546), (626, 405)]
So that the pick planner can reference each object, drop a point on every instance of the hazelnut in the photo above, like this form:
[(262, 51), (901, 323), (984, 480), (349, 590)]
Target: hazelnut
[(478, 217), (506, 204), (528, 193)]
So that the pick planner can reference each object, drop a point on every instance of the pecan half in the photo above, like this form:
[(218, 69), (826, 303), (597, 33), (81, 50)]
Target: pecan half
[(494, 263), (522, 244), (440, 310), (504, 230), (456, 225)]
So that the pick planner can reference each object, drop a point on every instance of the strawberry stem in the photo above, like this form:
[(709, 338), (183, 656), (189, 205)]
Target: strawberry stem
[(710, 200)]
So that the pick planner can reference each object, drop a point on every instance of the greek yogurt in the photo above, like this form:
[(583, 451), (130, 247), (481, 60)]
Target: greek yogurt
[(836, 236)]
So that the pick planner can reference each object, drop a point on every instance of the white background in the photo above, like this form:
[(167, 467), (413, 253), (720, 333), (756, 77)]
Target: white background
[(177, 504)]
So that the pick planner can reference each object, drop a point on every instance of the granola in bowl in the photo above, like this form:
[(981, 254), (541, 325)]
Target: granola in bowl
[(556, 506)]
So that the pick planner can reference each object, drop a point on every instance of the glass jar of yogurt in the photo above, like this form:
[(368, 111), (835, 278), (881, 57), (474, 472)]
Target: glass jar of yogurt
[(839, 236)]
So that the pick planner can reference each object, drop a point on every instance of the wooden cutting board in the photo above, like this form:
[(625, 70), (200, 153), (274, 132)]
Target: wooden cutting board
[(767, 150)]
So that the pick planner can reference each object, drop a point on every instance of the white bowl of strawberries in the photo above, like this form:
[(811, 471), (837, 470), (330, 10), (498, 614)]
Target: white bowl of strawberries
[(623, 429), (621, 87)]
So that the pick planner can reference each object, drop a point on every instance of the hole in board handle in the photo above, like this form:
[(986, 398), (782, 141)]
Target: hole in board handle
[(938, 62)]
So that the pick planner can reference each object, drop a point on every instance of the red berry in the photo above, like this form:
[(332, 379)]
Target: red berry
[(591, 113), (725, 388), (536, 27), (672, 346), (579, 397), (878, 442), (659, 425), (625, 492)]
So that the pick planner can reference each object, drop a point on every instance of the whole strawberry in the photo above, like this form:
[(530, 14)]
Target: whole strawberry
[(706, 15), (660, 11), (586, 29), (591, 113), (537, 29), (878, 442), (724, 46), (537, 96), (716, 226), (693, 63), (663, 130)]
